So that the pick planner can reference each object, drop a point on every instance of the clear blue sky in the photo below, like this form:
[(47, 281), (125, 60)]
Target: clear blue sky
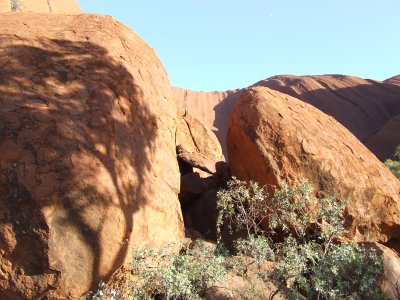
[(226, 44)]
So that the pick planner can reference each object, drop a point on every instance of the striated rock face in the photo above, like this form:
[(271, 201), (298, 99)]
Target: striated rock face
[(274, 138), (212, 109), (88, 163), (363, 106), (41, 6)]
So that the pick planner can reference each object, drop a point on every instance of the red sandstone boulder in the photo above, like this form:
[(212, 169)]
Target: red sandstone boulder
[(196, 144), (274, 138), (363, 106), (88, 163), (212, 109)]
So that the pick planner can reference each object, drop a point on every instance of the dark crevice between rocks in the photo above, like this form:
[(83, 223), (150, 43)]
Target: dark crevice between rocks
[(394, 244), (198, 197)]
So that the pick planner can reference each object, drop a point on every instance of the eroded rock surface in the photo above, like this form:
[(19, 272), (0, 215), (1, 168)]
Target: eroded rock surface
[(363, 106), (383, 143), (88, 163), (390, 279), (41, 6), (274, 138), (212, 109)]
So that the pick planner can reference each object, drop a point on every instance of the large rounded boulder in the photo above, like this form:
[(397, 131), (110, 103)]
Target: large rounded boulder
[(274, 138), (87, 141)]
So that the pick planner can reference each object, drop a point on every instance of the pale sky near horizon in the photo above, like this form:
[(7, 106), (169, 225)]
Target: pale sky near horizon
[(220, 44)]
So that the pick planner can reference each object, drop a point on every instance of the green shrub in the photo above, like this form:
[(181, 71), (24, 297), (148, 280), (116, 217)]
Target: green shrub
[(309, 258), (394, 165), (185, 274), (104, 292)]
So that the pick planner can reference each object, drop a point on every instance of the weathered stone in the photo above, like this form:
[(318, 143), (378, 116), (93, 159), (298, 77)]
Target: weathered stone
[(41, 6), (390, 280), (274, 138), (196, 144), (88, 163), (363, 106), (196, 160)]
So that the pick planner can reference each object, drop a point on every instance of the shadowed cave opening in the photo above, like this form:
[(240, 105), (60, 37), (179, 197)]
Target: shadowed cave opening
[(198, 198)]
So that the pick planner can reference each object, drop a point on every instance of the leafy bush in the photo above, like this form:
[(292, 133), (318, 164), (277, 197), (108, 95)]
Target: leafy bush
[(394, 165), (176, 275), (104, 292), (309, 257)]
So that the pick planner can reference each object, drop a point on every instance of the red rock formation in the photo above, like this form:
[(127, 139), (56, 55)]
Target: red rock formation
[(393, 80), (88, 163), (390, 279), (41, 6), (275, 138), (196, 143), (363, 106), (383, 143), (212, 109)]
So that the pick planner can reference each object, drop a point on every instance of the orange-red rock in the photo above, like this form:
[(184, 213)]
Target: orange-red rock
[(197, 143), (274, 137), (212, 109), (390, 279), (88, 163), (384, 142), (363, 106), (41, 6)]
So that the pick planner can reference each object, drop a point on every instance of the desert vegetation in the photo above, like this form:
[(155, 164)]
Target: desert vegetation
[(301, 235), (394, 165)]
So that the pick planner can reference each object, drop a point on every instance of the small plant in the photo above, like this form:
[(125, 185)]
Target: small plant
[(16, 5), (302, 235), (176, 275), (104, 292), (394, 165)]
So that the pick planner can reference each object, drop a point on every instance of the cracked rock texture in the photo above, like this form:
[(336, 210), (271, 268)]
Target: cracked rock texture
[(41, 6), (88, 164), (273, 138)]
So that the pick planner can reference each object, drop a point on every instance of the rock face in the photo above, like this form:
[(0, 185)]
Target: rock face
[(384, 142), (41, 6), (390, 280), (212, 109), (393, 80), (274, 138), (88, 163), (196, 144), (363, 106)]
